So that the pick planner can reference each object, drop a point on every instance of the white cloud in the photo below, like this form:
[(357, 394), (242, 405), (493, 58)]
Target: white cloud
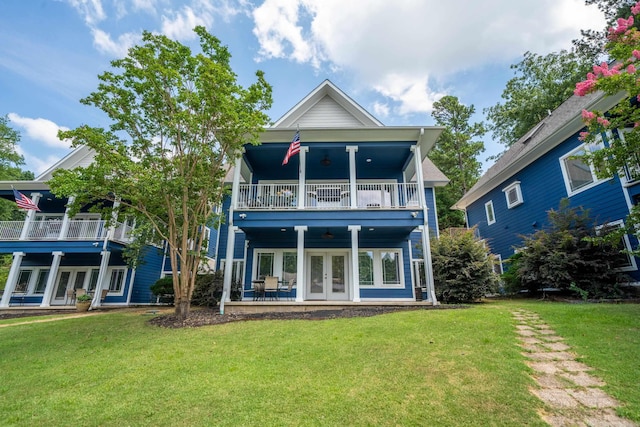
[(145, 5), (103, 42), (41, 130), (380, 110), (179, 25), (91, 10), (399, 47)]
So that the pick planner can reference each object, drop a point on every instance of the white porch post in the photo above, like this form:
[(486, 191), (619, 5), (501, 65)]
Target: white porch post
[(426, 242), (31, 213), (102, 274), (352, 149), (114, 218), (51, 280), (10, 286), (228, 267), (302, 178), (300, 275), (64, 229), (355, 268)]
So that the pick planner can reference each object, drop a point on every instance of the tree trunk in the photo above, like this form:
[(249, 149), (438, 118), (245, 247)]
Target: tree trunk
[(182, 308)]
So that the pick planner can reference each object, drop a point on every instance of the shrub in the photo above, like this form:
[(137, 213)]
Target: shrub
[(462, 268), (565, 256), (208, 289), (163, 286)]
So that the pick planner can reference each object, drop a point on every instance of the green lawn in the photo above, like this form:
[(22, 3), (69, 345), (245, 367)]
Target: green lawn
[(432, 367)]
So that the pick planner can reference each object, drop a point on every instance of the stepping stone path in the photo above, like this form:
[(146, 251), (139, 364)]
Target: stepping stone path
[(572, 396)]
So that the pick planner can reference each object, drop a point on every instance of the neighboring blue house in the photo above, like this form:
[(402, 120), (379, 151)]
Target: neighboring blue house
[(345, 219), (513, 197)]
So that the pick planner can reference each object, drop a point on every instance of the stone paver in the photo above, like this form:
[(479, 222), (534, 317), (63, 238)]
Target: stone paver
[(572, 396)]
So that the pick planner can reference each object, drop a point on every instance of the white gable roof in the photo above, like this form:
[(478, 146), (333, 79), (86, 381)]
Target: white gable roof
[(80, 157), (327, 106)]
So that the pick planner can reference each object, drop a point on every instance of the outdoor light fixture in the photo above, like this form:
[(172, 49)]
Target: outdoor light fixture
[(326, 161), (242, 215), (327, 235), (414, 214)]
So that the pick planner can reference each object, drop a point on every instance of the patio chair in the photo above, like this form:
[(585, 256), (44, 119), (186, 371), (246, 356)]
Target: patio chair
[(288, 290), (103, 295), (71, 296), (271, 285)]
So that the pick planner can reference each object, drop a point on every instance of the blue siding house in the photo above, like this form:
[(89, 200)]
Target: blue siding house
[(513, 197), (347, 219)]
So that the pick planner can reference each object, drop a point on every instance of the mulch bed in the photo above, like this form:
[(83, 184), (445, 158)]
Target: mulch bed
[(204, 317), (14, 315)]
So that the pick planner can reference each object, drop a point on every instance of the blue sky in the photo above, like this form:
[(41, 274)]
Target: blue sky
[(395, 58)]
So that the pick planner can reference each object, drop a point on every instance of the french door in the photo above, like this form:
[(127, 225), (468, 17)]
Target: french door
[(67, 279), (327, 276)]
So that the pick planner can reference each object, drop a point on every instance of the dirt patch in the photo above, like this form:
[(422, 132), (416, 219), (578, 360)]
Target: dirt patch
[(204, 317), (16, 315)]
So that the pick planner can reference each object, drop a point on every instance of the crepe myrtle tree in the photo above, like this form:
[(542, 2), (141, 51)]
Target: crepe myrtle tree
[(178, 119), (622, 150)]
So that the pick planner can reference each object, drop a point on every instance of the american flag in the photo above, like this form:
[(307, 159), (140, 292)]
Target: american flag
[(23, 201), (294, 148)]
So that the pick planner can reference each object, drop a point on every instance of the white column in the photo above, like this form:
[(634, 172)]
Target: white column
[(102, 274), (302, 177), (352, 149), (64, 229), (31, 213), (300, 275), (228, 267), (51, 280), (426, 242), (10, 286), (235, 187), (114, 218), (355, 268)]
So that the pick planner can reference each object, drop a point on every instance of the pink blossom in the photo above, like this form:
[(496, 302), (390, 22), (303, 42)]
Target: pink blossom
[(631, 69), (583, 88), (604, 122), (636, 53), (583, 136), (587, 115), (636, 124), (623, 26), (635, 9)]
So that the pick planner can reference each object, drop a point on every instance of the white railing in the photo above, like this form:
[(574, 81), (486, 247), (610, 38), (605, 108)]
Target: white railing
[(329, 196), (52, 230)]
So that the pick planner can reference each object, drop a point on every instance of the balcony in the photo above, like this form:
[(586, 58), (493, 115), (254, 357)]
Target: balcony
[(90, 230), (328, 196)]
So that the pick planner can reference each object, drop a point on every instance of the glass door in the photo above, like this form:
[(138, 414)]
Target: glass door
[(327, 278), (62, 284)]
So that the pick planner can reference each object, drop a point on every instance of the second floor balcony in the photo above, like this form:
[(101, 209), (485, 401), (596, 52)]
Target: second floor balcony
[(89, 230), (328, 196)]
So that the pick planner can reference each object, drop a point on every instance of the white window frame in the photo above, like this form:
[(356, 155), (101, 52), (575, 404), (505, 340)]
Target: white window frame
[(497, 266), (631, 171), (378, 271), (278, 259), (490, 212), (627, 245), (509, 189), (574, 153), (110, 272)]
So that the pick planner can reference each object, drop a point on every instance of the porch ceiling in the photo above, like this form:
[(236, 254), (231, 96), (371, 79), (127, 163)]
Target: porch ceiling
[(288, 236)]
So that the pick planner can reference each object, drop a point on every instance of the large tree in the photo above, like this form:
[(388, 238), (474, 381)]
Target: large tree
[(456, 155), (178, 120), (540, 85), (10, 167)]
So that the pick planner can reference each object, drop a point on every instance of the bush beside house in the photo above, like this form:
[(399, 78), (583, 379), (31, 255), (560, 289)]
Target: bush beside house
[(462, 268)]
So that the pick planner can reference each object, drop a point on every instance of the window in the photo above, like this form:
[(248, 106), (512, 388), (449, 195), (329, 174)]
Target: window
[(513, 193), (365, 266), (265, 264), (93, 279), (390, 268), (579, 175), (41, 281), (623, 261), (488, 208), (22, 286), (631, 170), (497, 264), (380, 268), (116, 280), (289, 265)]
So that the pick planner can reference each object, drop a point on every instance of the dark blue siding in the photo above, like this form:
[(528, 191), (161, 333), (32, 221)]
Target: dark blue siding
[(147, 273), (542, 186)]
